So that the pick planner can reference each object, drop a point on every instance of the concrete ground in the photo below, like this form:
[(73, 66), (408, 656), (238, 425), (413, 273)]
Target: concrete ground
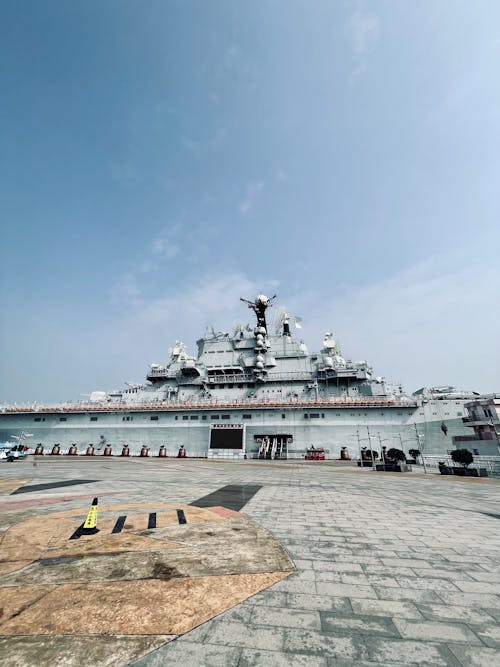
[(391, 569)]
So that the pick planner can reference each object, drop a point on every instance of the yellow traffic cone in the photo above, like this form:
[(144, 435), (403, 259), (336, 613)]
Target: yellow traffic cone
[(90, 525)]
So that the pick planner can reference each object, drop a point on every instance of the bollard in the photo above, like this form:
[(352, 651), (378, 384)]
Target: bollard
[(90, 451), (126, 451), (107, 450), (56, 450), (72, 451), (163, 452), (39, 449), (144, 451)]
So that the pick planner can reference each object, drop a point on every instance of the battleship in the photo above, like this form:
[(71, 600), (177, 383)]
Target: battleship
[(254, 393)]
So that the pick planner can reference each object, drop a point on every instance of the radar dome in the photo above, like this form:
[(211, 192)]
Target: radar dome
[(261, 298)]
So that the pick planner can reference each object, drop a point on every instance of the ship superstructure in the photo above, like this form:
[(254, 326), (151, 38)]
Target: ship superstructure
[(253, 392)]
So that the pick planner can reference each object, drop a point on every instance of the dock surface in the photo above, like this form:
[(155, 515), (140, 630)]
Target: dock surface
[(248, 563)]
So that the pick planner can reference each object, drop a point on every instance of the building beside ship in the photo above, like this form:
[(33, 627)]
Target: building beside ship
[(255, 392)]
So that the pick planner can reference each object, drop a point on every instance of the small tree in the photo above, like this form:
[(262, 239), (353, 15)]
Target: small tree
[(396, 454), (462, 457), (414, 453)]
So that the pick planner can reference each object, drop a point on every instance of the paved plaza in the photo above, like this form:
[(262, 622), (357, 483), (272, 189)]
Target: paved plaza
[(390, 569)]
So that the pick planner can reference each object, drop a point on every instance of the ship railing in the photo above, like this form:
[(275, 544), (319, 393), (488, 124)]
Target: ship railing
[(336, 402)]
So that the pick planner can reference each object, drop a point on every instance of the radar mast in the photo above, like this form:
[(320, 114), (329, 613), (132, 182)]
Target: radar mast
[(259, 307)]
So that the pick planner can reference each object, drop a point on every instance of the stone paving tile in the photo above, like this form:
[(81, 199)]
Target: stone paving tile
[(481, 600), (425, 654), (291, 585), (442, 574), (476, 657), (333, 566), (258, 658), (316, 643), (435, 631), (269, 598), (319, 603), (345, 590), (287, 618), (427, 584), (364, 625), (478, 587), (490, 635), (390, 608), (493, 577), (338, 662), (442, 612), (190, 654), (230, 633)]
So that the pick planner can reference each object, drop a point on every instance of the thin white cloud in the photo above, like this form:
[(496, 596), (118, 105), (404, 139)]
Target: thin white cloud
[(165, 248), (363, 29), (363, 32), (252, 193)]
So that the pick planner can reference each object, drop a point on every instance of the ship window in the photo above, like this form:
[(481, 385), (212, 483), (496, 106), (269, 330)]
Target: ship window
[(214, 416), (154, 418), (176, 417), (322, 415), (400, 414), (446, 413), (459, 414), (194, 417), (306, 416), (225, 416), (240, 386), (93, 419), (62, 419), (204, 417), (38, 419), (314, 415), (185, 417), (229, 386), (421, 414), (283, 415), (247, 416)]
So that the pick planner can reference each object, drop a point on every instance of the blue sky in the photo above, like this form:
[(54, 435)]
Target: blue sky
[(161, 159)]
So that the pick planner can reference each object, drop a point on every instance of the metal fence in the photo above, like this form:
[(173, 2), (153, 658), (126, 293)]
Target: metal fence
[(491, 463)]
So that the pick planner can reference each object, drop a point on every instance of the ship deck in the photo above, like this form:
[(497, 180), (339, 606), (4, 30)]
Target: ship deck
[(201, 562)]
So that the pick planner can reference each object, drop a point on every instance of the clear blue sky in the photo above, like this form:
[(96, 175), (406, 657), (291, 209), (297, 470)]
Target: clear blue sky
[(160, 159)]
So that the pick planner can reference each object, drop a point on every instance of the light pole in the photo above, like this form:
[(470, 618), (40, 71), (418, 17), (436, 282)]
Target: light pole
[(371, 450), (380, 441), (420, 446)]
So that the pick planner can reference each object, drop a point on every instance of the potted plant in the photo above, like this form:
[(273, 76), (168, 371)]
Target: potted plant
[(398, 458), (414, 453), (464, 458)]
